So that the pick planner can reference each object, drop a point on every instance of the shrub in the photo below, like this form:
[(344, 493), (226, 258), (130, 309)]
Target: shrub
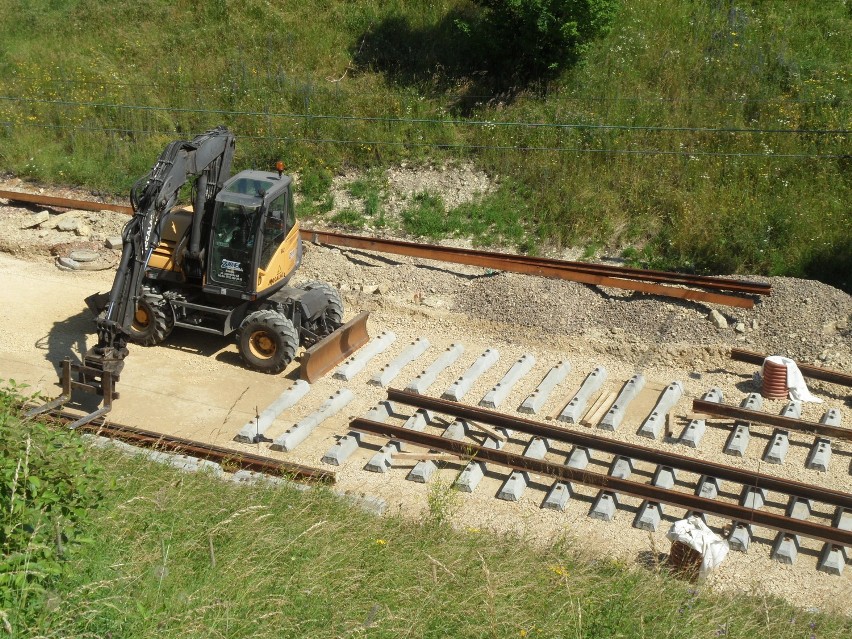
[(546, 36), (47, 486)]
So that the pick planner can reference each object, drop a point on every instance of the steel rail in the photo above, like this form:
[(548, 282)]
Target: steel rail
[(171, 443), (695, 503), (814, 372), (759, 417), (633, 451), (65, 203), (650, 282), (624, 272), (525, 266)]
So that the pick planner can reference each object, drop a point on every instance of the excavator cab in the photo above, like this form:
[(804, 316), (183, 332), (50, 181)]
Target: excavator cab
[(254, 242)]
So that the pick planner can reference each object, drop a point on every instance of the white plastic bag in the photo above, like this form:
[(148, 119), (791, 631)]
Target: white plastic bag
[(694, 533), (795, 380)]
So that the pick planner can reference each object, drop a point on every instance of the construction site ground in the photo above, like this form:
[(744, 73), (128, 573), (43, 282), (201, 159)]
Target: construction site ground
[(195, 386)]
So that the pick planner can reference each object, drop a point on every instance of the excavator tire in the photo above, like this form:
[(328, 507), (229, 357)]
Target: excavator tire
[(153, 321), (334, 312), (267, 341)]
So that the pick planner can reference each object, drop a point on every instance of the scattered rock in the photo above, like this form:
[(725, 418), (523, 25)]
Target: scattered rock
[(740, 327), (82, 230), (113, 242), (68, 224), (370, 289), (67, 263), (717, 319), (35, 219), (84, 255)]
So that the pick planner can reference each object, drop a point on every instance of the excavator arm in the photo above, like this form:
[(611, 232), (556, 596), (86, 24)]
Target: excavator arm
[(209, 157)]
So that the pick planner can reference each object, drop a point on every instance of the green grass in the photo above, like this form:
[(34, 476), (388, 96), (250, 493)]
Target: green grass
[(702, 172), (191, 555)]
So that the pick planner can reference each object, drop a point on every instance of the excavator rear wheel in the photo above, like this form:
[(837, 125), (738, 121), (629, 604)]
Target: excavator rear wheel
[(153, 321), (332, 316), (267, 341)]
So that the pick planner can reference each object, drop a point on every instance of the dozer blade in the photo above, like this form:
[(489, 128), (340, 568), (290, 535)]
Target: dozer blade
[(334, 348)]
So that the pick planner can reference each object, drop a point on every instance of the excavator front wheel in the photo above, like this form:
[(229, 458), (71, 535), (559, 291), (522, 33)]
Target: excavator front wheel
[(267, 341), (153, 320)]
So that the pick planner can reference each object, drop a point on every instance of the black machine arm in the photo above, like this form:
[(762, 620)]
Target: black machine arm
[(209, 157)]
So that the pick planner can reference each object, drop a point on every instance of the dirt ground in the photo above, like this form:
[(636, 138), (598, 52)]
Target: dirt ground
[(195, 386)]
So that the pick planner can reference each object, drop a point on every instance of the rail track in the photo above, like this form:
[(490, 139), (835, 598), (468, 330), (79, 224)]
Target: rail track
[(226, 457), (714, 290)]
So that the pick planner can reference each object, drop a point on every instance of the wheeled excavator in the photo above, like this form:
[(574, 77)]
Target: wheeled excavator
[(220, 265)]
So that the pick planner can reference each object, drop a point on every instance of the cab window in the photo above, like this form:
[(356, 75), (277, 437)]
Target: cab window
[(275, 228)]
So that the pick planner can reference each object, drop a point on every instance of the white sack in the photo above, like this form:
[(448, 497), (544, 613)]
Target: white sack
[(694, 533), (795, 381)]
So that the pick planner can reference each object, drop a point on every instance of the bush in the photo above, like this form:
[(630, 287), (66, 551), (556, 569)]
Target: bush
[(543, 37), (47, 486)]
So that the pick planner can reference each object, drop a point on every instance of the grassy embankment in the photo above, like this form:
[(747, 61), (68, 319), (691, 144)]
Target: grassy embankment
[(723, 116), (162, 553)]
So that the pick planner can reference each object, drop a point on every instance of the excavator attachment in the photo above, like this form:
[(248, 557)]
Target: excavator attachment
[(334, 348), (89, 379)]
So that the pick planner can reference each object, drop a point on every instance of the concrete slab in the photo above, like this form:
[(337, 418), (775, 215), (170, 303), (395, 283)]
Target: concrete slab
[(832, 559), (738, 440), (616, 413), (253, 431), (355, 364), (426, 378), (786, 548), (793, 409), (648, 517), (579, 458), (740, 437), (501, 390), (536, 399), (300, 431), (695, 429), (389, 372), (605, 506), (664, 477), (819, 456), (740, 537), (382, 461), (575, 408), (777, 447), (708, 487), (513, 488), (461, 386), (652, 426), (621, 467), (473, 473), (349, 443), (558, 496), (423, 470)]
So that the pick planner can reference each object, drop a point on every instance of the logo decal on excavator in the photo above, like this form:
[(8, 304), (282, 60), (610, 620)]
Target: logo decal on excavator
[(230, 265)]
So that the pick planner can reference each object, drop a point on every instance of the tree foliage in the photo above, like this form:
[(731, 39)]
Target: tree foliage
[(543, 37)]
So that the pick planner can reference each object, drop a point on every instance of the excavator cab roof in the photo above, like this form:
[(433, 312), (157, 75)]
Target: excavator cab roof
[(251, 187)]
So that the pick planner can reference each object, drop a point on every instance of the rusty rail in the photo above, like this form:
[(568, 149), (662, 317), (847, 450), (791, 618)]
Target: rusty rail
[(63, 203), (814, 372), (759, 417), (240, 459), (594, 442), (565, 473), (610, 276), (632, 279)]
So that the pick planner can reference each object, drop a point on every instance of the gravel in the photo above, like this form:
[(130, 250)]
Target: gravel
[(666, 339)]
